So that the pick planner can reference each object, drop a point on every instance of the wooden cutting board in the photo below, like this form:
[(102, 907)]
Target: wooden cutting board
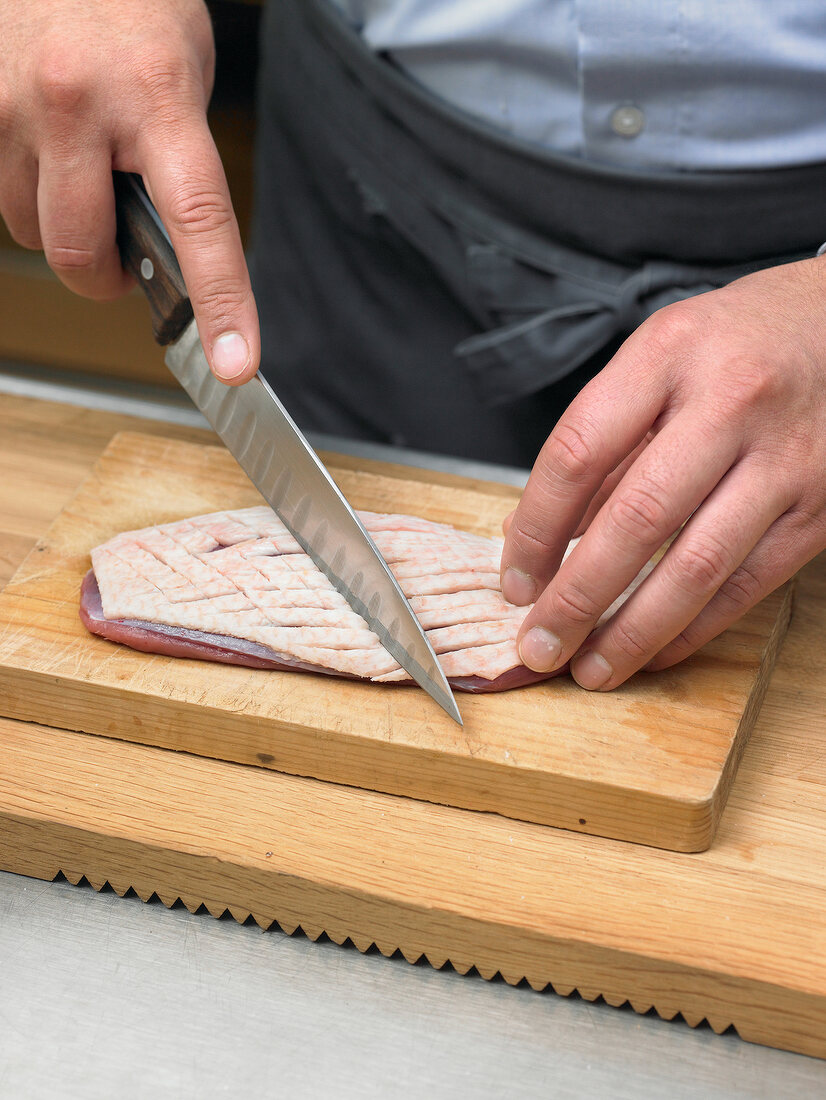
[(734, 935), (651, 762)]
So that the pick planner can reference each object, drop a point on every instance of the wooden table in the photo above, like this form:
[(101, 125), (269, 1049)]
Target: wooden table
[(46, 449)]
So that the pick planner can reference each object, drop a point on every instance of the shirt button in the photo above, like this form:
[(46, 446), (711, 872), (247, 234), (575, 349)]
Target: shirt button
[(627, 120)]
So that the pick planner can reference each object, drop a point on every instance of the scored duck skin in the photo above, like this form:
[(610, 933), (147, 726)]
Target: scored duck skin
[(235, 587)]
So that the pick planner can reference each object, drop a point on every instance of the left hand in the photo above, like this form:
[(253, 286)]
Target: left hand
[(712, 415)]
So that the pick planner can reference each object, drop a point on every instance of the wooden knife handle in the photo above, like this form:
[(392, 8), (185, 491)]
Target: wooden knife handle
[(146, 253)]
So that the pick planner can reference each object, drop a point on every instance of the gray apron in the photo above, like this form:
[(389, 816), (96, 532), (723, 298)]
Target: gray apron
[(425, 280)]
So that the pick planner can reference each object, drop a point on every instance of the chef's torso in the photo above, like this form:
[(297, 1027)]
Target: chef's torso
[(642, 83)]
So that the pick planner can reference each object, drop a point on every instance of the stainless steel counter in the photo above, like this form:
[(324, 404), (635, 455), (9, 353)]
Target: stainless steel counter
[(102, 996), (109, 997)]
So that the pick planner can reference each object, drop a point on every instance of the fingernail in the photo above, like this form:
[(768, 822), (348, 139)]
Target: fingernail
[(591, 671), (518, 587), (540, 649), (230, 355)]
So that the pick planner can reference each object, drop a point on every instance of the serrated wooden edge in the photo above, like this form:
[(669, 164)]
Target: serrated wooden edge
[(412, 955), (763, 1012)]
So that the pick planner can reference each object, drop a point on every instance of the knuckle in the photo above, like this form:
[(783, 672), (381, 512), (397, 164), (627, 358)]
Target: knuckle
[(685, 643), (71, 259), (571, 451), (629, 641), (62, 89), (221, 301), (639, 512), (756, 382), (676, 325), (742, 589), (752, 385), (528, 539), (197, 210), (704, 566), (571, 603)]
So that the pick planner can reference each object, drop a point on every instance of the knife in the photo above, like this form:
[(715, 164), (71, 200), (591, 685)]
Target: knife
[(270, 448)]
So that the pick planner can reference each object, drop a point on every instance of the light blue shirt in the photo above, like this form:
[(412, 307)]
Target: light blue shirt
[(642, 83)]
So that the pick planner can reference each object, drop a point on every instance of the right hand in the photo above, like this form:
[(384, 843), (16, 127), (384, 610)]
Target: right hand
[(88, 86)]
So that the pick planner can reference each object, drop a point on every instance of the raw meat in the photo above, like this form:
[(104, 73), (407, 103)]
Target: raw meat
[(236, 587)]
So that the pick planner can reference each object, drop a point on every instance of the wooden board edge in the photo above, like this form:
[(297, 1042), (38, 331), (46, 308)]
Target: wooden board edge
[(768, 659), (761, 1013), (559, 801)]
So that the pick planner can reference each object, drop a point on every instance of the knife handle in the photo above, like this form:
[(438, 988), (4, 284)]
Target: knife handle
[(147, 254)]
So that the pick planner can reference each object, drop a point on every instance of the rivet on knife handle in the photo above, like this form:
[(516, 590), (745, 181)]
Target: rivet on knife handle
[(146, 253)]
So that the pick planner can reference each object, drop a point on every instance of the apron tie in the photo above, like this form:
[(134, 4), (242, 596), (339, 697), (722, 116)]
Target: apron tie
[(530, 352)]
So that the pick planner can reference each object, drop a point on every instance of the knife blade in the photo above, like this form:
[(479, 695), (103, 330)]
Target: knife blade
[(270, 448)]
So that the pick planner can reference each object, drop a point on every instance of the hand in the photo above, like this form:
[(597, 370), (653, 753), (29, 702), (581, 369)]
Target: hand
[(88, 86), (712, 415)]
